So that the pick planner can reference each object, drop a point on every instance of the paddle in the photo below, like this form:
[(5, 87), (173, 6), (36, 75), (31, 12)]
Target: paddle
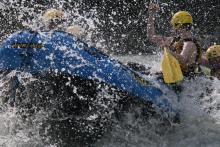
[(171, 69)]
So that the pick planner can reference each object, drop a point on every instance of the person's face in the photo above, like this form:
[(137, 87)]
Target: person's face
[(56, 23), (181, 31)]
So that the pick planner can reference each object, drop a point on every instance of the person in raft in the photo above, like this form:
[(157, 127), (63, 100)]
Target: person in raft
[(183, 45)]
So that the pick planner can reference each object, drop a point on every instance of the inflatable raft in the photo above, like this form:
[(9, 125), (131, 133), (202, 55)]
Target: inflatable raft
[(82, 76)]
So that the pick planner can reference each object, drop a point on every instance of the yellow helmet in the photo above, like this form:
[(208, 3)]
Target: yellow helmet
[(53, 14), (75, 30), (213, 51), (180, 18)]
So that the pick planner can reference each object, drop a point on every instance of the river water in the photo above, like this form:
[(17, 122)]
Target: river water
[(200, 123), (199, 102)]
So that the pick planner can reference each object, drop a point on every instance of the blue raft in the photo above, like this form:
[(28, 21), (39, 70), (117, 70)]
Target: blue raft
[(85, 117), (40, 52)]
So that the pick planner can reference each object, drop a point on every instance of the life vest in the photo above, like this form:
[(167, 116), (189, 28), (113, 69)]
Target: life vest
[(177, 46)]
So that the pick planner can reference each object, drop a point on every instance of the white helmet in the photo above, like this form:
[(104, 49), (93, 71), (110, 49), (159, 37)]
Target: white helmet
[(75, 30)]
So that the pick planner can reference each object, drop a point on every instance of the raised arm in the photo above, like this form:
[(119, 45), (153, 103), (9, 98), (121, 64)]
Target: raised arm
[(161, 41)]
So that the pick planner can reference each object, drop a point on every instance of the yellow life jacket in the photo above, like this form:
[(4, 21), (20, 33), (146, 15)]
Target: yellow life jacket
[(177, 46)]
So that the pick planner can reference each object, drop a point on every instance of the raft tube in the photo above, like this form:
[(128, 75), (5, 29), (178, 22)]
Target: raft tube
[(57, 51)]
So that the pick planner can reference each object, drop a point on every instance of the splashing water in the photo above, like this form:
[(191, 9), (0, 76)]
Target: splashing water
[(199, 102)]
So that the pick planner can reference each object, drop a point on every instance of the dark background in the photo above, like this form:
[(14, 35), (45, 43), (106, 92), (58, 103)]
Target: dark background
[(122, 23)]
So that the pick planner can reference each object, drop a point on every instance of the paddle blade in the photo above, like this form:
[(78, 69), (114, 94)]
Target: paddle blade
[(171, 68)]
